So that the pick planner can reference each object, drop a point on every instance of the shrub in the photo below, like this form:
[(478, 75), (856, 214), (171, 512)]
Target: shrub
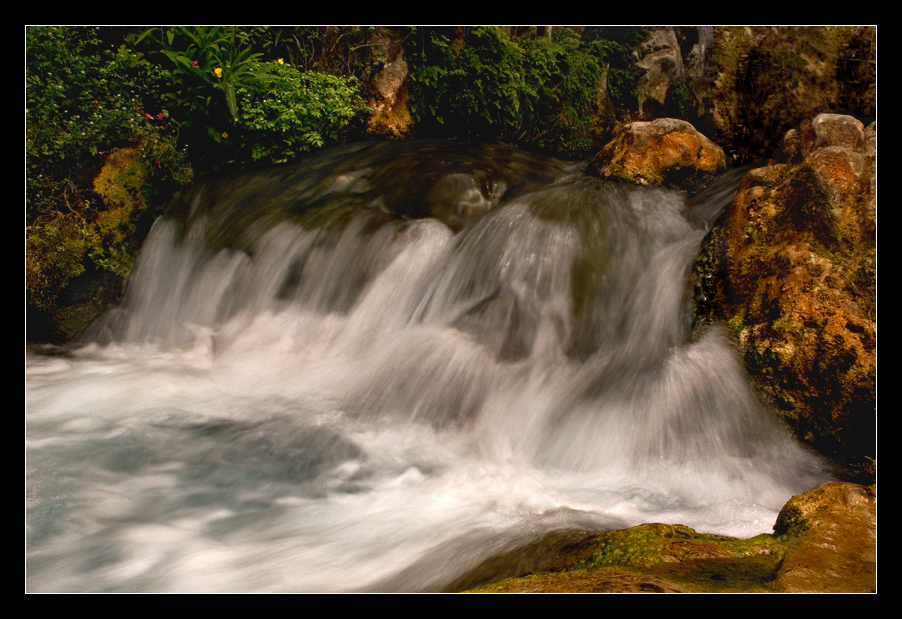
[(481, 83), (296, 112), (83, 103), (233, 106), (206, 66), (469, 87)]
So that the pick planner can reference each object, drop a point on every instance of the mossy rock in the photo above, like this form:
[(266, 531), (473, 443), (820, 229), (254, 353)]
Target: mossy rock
[(825, 540)]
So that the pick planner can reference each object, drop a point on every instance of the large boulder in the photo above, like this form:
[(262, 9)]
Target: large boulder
[(792, 269), (665, 152)]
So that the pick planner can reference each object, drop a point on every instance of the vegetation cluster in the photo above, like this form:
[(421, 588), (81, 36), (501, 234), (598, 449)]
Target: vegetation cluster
[(113, 129), (542, 92), (83, 103), (119, 118)]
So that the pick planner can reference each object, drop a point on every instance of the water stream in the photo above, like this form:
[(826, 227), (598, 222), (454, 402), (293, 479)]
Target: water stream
[(312, 385)]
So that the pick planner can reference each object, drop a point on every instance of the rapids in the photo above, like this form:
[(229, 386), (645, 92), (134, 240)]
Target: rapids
[(342, 375)]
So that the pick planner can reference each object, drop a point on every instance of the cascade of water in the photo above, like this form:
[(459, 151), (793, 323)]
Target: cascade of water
[(334, 398)]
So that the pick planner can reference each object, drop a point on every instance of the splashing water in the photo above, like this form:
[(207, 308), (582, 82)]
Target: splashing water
[(303, 391)]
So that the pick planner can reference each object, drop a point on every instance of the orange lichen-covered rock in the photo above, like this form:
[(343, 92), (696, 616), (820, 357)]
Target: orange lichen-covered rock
[(664, 152), (792, 269)]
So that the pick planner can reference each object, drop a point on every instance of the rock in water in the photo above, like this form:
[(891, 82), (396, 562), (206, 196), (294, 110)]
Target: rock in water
[(665, 152), (824, 542), (792, 269), (835, 526)]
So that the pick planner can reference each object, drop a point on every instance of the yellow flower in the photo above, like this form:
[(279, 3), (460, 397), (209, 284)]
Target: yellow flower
[(224, 134), (218, 72), (281, 61)]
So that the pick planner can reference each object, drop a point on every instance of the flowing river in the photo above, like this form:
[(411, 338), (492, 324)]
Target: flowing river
[(339, 376)]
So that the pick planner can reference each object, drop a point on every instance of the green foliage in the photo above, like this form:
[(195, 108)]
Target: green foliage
[(232, 105), (481, 83), (567, 74), (83, 103), (333, 50), (207, 66), (677, 97), (296, 112), (474, 88)]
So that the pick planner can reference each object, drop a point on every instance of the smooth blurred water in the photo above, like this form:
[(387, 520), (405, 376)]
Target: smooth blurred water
[(306, 389)]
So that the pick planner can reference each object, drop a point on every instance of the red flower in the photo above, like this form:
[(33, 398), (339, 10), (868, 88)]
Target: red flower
[(95, 101), (148, 116), (157, 161), (160, 116)]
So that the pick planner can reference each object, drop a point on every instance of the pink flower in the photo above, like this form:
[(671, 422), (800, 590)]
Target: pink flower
[(148, 116), (157, 161), (160, 116), (95, 101), (193, 63)]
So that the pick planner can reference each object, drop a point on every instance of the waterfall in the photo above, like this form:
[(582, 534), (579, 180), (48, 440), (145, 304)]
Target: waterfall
[(377, 368)]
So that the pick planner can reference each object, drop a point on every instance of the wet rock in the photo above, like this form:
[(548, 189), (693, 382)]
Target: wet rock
[(838, 130), (832, 535), (824, 541), (665, 152), (792, 269)]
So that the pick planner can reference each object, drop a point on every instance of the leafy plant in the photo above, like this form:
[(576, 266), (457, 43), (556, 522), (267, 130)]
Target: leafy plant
[(296, 112), (84, 102), (208, 67), (481, 83), (677, 97), (333, 50), (567, 74), (473, 87)]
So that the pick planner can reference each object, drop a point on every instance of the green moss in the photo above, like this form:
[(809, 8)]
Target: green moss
[(737, 328), (534, 582), (482, 83), (656, 557)]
